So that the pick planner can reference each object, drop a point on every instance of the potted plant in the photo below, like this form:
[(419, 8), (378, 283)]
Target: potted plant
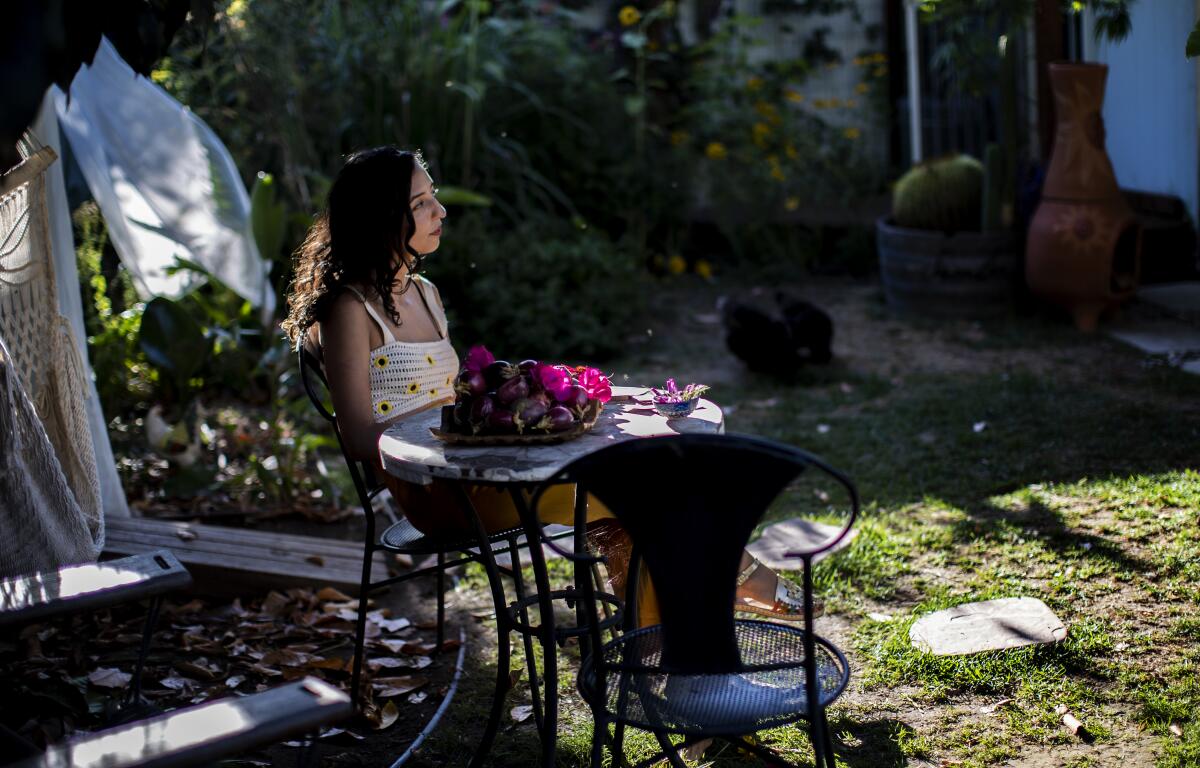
[(943, 251)]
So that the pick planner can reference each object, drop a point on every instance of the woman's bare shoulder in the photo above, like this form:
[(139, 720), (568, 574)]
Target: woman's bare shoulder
[(345, 315)]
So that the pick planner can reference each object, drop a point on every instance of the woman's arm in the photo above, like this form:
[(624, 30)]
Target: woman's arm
[(346, 348)]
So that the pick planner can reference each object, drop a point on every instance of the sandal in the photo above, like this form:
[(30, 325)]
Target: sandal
[(789, 598)]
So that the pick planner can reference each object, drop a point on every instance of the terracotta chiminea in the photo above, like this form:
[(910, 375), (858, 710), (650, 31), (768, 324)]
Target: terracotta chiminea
[(1085, 243)]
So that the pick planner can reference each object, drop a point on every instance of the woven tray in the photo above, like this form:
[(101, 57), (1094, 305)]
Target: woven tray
[(590, 416)]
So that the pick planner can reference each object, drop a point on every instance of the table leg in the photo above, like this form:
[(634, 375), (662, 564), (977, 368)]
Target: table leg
[(526, 639), (533, 535), (503, 630)]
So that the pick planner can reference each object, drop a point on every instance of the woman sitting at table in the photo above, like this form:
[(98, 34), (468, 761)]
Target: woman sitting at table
[(380, 330)]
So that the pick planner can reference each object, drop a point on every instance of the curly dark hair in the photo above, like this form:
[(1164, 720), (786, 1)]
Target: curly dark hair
[(354, 242)]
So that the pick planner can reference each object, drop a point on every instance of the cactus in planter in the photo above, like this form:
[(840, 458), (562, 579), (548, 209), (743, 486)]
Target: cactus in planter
[(993, 188), (944, 194)]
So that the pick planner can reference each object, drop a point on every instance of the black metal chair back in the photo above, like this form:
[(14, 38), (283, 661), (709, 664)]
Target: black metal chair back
[(690, 504), (312, 376)]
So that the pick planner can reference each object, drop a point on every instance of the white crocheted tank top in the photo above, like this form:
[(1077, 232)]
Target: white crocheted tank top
[(406, 375)]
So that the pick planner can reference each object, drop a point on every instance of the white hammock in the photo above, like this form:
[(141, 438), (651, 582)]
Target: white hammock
[(50, 509)]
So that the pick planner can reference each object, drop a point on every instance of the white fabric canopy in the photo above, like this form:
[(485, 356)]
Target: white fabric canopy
[(165, 183)]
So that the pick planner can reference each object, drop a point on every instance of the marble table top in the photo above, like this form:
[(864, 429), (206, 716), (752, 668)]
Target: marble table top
[(412, 453)]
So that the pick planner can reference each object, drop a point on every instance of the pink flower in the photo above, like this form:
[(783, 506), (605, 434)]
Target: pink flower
[(478, 358), (555, 380), (596, 384)]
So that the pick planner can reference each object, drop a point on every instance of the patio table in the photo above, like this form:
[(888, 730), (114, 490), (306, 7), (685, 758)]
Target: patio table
[(411, 452)]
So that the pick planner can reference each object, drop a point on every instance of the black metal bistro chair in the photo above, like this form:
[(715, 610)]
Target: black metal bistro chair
[(402, 538), (690, 504)]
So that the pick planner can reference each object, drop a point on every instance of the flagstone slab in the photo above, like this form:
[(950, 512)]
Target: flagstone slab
[(791, 535), (991, 625), (1157, 337), (1181, 299)]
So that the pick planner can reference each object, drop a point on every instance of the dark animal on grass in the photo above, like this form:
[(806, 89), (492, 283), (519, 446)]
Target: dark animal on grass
[(777, 340)]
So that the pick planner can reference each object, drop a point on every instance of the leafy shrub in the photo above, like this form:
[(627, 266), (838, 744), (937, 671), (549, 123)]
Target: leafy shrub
[(543, 289)]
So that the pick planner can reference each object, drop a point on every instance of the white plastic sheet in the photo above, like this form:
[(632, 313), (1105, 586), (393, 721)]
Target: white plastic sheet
[(164, 182)]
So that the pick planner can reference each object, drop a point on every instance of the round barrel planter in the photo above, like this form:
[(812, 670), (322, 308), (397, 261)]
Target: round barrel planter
[(933, 273)]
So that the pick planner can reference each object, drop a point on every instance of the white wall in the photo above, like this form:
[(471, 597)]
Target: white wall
[(1150, 107)]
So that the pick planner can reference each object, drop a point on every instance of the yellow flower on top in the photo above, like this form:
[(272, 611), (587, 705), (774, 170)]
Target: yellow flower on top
[(704, 269), (676, 264), (851, 133), (762, 132), (776, 169), (820, 103), (859, 61), (791, 95), (715, 151), (754, 83), (679, 138), (862, 87), (628, 16), (768, 111), (791, 204), (790, 150)]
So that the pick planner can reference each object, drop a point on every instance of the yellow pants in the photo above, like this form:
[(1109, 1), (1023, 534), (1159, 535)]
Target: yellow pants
[(435, 509)]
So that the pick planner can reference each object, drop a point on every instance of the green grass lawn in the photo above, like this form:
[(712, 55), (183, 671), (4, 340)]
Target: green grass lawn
[(1001, 459)]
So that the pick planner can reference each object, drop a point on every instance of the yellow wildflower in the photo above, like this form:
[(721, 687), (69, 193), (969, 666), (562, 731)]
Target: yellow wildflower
[(676, 264), (820, 103), (862, 87), (880, 58), (765, 109), (776, 169), (762, 133), (161, 76), (704, 269), (715, 151), (754, 83), (679, 138), (851, 133), (1076, 6), (628, 16), (791, 95), (881, 71), (850, 103), (790, 151), (791, 204), (859, 61)]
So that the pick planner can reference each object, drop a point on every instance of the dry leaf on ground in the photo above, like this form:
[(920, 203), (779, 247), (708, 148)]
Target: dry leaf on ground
[(109, 677), (521, 713)]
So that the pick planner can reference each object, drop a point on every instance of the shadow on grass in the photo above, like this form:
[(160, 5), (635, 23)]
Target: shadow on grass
[(992, 523), (873, 743)]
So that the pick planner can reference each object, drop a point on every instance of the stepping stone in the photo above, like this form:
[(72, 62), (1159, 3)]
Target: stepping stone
[(790, 535), (992, 625), (1180, 299), (1175, 341)]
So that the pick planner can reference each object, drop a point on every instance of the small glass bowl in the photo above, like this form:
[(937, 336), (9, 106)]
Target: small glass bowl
[(677, 410)]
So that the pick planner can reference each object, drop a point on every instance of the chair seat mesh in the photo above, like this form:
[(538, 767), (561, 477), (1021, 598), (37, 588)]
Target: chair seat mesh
[(646, 696), (404, 538)]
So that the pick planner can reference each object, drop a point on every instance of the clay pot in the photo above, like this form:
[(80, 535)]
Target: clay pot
[(1084, 246)]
